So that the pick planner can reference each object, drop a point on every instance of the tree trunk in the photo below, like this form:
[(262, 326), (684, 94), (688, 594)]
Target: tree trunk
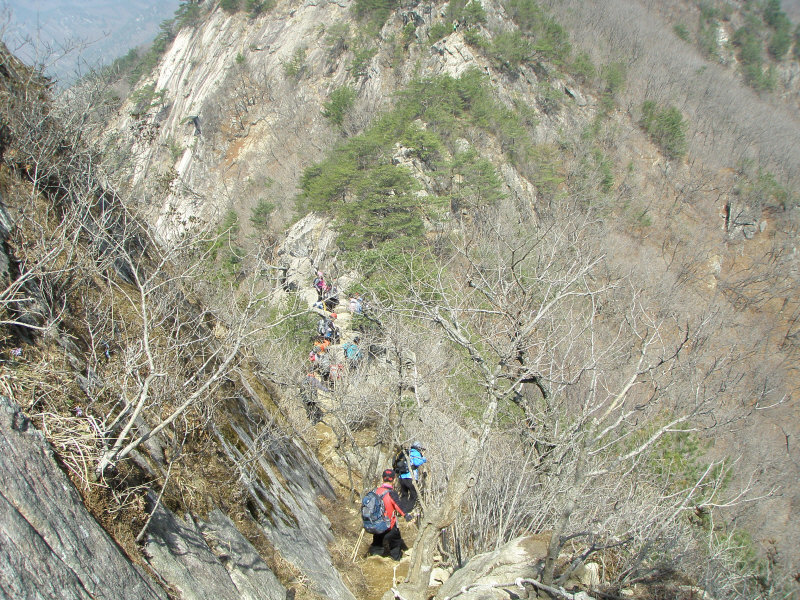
[(461, 480), (554, 549)]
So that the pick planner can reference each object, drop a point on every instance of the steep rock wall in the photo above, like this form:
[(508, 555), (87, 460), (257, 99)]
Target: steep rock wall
[(222, 124), (253, 123), (50, 546)]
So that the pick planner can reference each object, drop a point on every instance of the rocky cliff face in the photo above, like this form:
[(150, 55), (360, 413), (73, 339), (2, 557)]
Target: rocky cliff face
[(226, 120), (236, 122), (208, 546), (51, 546)]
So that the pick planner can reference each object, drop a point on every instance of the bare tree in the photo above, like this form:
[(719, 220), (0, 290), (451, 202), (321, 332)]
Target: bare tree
[(141, 313), (599, 377)]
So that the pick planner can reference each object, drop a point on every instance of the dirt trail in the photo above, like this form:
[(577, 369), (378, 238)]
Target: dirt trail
[(368, 577)]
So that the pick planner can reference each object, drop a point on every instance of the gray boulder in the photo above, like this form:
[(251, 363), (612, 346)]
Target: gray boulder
[(50, 546), (485, 575)]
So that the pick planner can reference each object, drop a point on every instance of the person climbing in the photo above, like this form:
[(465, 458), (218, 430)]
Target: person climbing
[(332, 332), (336, 373), (331, 299), (327, 330), (409, 476), (319, 359), (321, 347), (352, 353), (389, 541), (313, 410), (324, 364), (356, 305), (322, 326), (320, 285)]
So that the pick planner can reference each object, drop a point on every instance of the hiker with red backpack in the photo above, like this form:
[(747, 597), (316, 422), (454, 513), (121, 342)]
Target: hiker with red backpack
[(380, 518)]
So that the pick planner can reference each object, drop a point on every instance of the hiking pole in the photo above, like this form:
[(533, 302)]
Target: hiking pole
[(358, 543)]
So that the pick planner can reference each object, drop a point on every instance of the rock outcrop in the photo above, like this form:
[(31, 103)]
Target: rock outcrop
[(181, 553), (50, 546), (486, 575)]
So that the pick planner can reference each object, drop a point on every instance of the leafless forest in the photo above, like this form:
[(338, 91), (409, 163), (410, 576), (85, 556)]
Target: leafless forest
[(610, 361)]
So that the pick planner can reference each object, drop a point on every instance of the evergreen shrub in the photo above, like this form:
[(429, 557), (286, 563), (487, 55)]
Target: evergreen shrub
[(666, 127), (338, 104)]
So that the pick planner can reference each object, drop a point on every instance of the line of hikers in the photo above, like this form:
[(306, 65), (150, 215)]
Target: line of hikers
[(381, 506), (327, 366), (328, 296)]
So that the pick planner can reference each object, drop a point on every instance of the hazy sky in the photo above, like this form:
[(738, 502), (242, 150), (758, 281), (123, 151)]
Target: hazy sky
[(71, 36)]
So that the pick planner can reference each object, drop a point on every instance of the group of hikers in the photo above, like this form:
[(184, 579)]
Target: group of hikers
[(380, 507), (328, 295), (325, 370)]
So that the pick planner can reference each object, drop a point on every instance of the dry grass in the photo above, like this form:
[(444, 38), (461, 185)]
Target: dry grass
[(346, 528)]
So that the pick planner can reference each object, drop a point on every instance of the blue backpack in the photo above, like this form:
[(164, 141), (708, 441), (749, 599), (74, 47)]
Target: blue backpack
[(372, 513)]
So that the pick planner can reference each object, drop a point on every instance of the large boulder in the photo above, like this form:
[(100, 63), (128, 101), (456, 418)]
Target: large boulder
[(50, 546), (486, 575)]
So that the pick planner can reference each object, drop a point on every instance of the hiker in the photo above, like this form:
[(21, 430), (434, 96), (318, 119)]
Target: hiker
[(320, 285), (331, 300), (322, 327), (331, 331), (324, 363), (356, 306), (352, 353), (409, 476), (314, 383), (327, 330), (335, 373), (389, 541), (321, 347), (320, 360), (313, 410)]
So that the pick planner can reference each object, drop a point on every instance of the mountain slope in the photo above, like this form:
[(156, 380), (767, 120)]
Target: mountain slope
[(580, 283), (259, 88)]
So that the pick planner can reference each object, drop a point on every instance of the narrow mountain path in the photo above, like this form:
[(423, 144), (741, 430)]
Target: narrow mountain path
[(370, 576)]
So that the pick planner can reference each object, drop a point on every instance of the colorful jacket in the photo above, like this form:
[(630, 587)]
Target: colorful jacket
[(391, 502), (320, 284), (352, 351), (416, 461)]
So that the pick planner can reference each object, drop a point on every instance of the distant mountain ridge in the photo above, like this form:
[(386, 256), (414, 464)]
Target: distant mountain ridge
[(72, 36)]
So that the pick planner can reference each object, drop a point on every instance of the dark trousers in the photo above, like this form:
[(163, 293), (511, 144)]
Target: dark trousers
[(388, 542), (408, 494)]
